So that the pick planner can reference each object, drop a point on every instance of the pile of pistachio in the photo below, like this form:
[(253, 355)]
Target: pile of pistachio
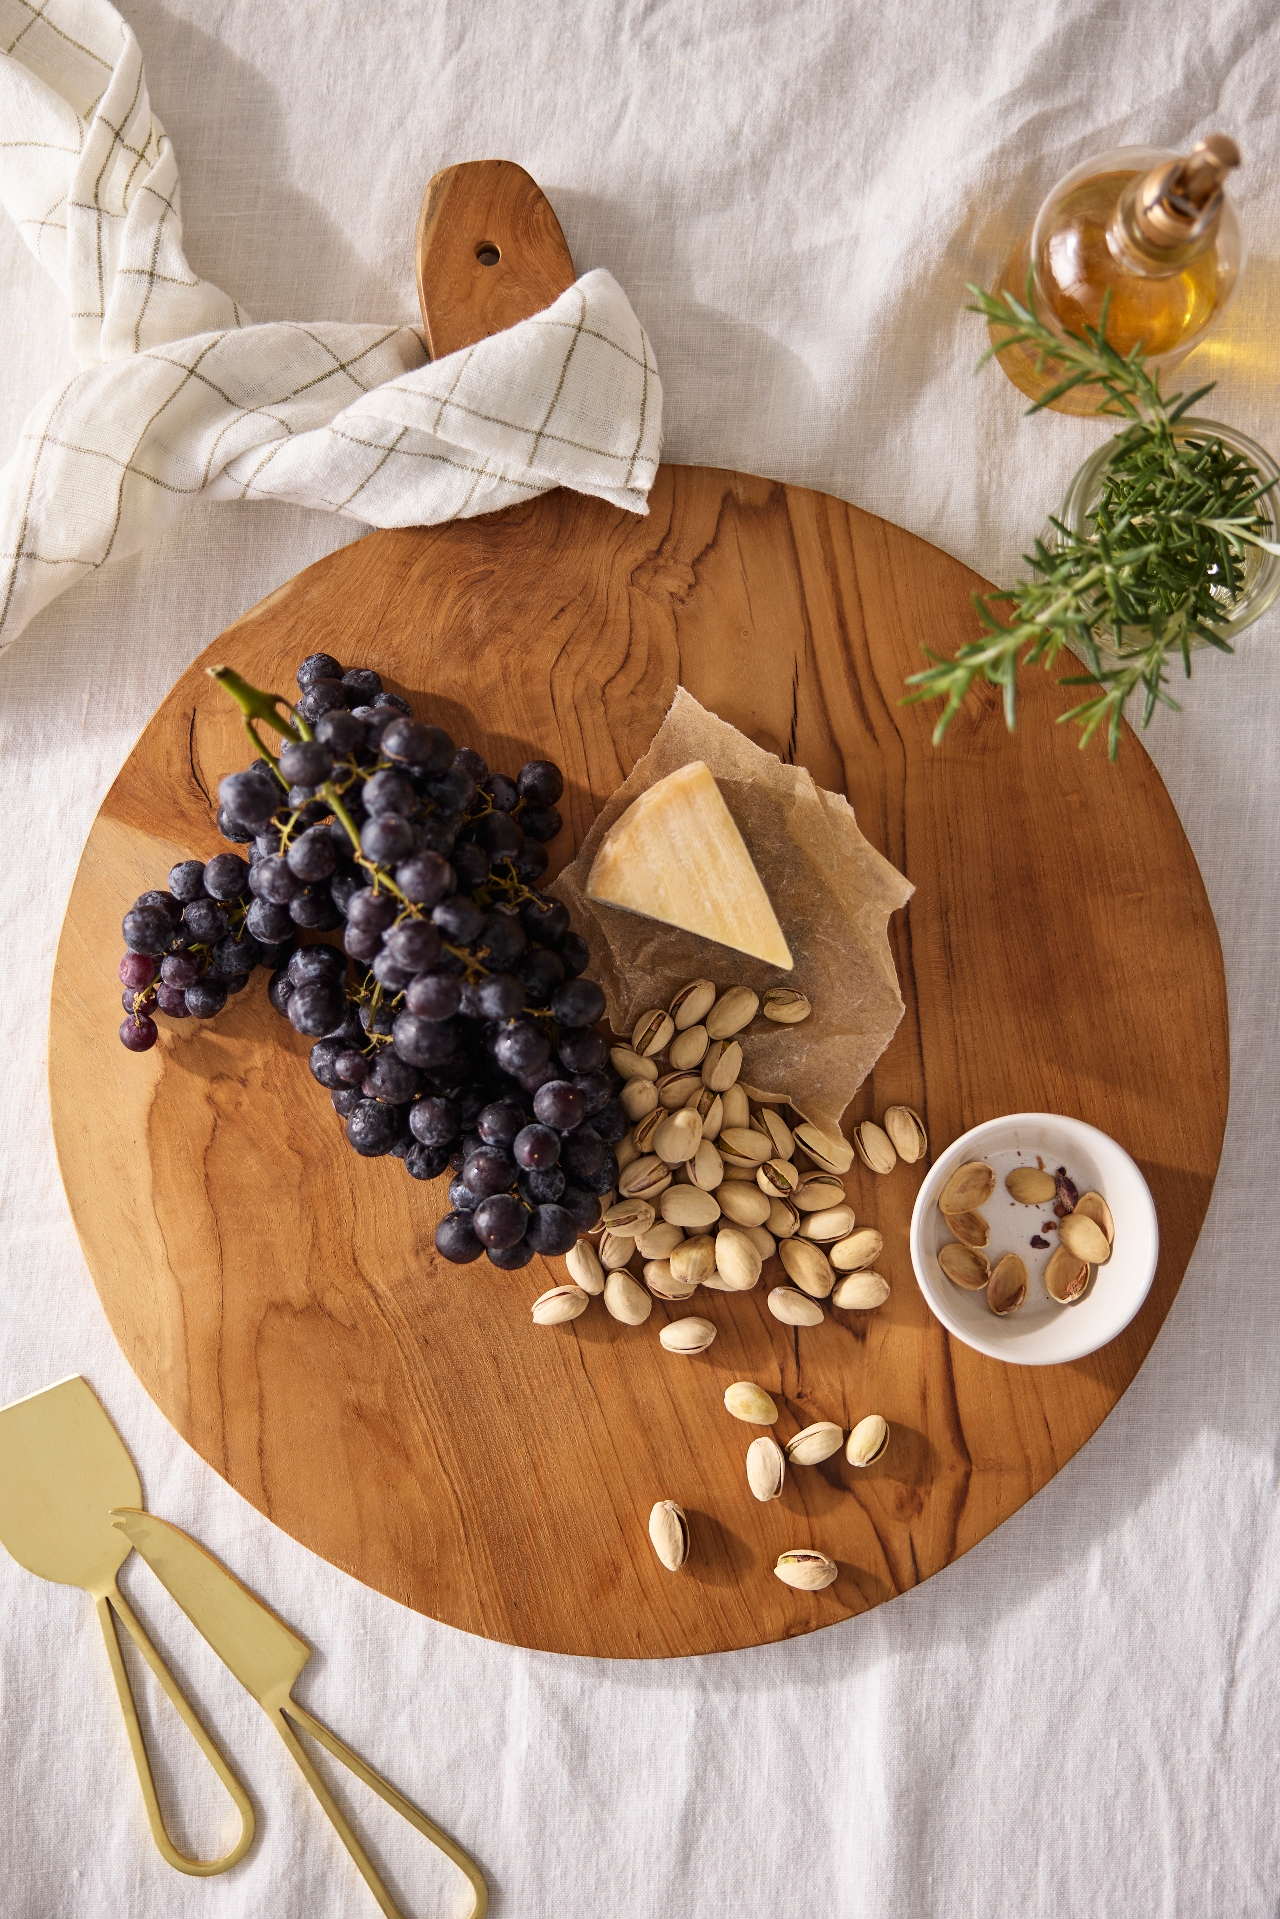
[(714, 1180), (716, 1176), (1085, 1227)]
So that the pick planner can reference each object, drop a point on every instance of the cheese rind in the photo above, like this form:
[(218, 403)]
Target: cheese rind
[(675, 855)]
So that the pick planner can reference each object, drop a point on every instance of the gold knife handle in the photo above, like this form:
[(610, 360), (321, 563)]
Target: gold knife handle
[(394, 1799), (112, 1603)]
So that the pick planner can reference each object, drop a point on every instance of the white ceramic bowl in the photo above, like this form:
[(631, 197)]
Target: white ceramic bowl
[(1041, 1333)]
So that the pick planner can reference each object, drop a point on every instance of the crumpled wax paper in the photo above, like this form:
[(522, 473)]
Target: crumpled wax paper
[(832, 893)]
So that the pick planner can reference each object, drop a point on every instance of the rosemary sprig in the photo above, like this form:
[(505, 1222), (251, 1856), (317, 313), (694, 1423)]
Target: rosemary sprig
[(1155, 574)]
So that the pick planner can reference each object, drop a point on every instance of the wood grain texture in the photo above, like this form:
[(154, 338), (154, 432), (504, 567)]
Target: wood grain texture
[(469, 212), (280, 1298)]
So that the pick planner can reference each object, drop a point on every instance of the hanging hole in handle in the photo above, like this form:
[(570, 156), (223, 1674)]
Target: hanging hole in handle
[(487, 254)]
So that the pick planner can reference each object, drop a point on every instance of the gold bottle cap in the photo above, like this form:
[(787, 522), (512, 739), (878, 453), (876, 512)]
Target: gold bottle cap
[(1181, 203)]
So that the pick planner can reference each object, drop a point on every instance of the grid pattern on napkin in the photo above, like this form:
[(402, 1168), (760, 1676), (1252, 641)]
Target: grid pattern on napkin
[(179, 394)]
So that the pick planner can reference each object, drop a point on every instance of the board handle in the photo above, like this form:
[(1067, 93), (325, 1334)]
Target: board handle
[(489, 253)]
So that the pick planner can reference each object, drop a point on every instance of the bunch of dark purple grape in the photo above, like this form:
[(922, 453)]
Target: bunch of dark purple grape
[(456, 1030)]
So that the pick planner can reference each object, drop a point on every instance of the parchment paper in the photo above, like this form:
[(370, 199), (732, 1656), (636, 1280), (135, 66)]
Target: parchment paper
[(832, 893)]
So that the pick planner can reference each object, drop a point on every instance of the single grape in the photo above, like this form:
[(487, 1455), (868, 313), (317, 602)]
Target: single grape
[(139, 969), (386, 839), (394, 978), (321, 697), (226, 877), (574, 953), (375, 721), (461, 1197), (433, 996), (317, 962), (551, 1231), (342, 732), (509, 1259), (186, 880), (346, 1100), (434, 1122), (415, 945), (361, 945), (362, 682), (372, 1127), (323, 1059), (147, 929), (471, 865), (139, 1034), (426, 748), (306, 762), (539, 972), (541, 1186), (540, 782), (500, 1222), (389, 792), (596, 1089), (371, 911), (206, 998), (251, 797), (582, 1207), (426, 1162), (459, 918), (380, 1022), (530, 863), (423, 1042), (312, 857), (453, 793), (545, 920), (267, 923), (401, 1146), (504, 936), (579, 1002), (180, 969), (426, 878), (535, 1148), (314, 909), (142, 1002), (604, 1179), (391, 1078), (232, 957), (205, 921), (503, 792), (272, 878), (611, 1123), (456, 1240), (437, 835), (315, 1007), (396, 701), (489, 1171), (500, 836), (344, 886), (560, 1104), (173, 1001), (521, 1047), (540, 823), (500, 1121), (233, 829), (318, 666)]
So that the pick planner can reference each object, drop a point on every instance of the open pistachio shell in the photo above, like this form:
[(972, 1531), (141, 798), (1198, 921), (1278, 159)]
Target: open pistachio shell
[(867, 1441), (1065, 1277), (652, 1034), (965, 1267), (793, 1308), (971, 1229), (815, 1443), (875, 1148), (1093, 1206), (1007, 1286), (687, 1336), (806, 1570), (906, 1130), (969, 1187), (828, 1225), (832, 1153), (692, 1003), (663, 1284), (817, 1192), (561, 1304)]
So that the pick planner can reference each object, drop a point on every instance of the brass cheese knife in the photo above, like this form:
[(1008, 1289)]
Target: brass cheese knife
[(266, 1657), (63, 1466)]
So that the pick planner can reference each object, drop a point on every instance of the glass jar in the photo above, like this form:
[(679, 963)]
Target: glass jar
[(1260, 585)]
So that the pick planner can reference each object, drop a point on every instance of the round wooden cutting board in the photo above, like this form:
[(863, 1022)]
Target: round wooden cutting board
[(281, 1299)]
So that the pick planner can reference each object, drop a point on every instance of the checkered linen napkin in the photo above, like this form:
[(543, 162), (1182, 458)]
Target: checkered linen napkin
[(181, 395)]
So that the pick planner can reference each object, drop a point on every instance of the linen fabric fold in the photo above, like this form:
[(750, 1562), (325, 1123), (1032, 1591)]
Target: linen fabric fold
[(180, 394)]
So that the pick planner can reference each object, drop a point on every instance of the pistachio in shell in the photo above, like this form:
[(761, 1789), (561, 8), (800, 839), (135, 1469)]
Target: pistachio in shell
[(1085, 1238), (971, 1229), (652, 1034), (694, 1259), (860, 1249), (736, 1007), (644, 1177), (658, 1241), (631, 1065), (1007, 1286), (743, 1202), (816, 1192), (793, 1308), (678, 1089), (1093, 1206), (783, 1218), (906, 1132), (663, 1284), (584, 1266), (721, 1064), (706, 1168), (560, 1305), (969, 1187), (777, 1179), (614, 1251), (743, 1146), (669, 1533), (690, 1208), (780, 1133), (628, 1217), (832, 1153), (828, 1225), (1065, 1277), (806, 1570), (815, 1443), (808, 1267), (766, 1467), (875, 1148), (860, 1292), (785, 1006), (738, 1261), (965, 1266), (751, 1403), (867, 1441), (626, 1299), (678, 1137), (1031, 1186), (735, 1107), (638, 1098), (687, 1049), (687, 1336), (692, 1003)]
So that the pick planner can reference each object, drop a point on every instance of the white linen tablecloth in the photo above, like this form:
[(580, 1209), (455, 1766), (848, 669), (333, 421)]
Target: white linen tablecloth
[(1079, 1718)]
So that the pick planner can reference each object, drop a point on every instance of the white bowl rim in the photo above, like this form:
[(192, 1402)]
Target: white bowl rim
[(993, 1346)]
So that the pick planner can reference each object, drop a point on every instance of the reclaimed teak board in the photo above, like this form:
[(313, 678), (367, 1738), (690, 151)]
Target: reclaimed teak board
[(281, 1299)]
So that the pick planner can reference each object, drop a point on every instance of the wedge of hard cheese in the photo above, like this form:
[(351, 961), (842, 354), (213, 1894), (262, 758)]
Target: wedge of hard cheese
[(675, 855)]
